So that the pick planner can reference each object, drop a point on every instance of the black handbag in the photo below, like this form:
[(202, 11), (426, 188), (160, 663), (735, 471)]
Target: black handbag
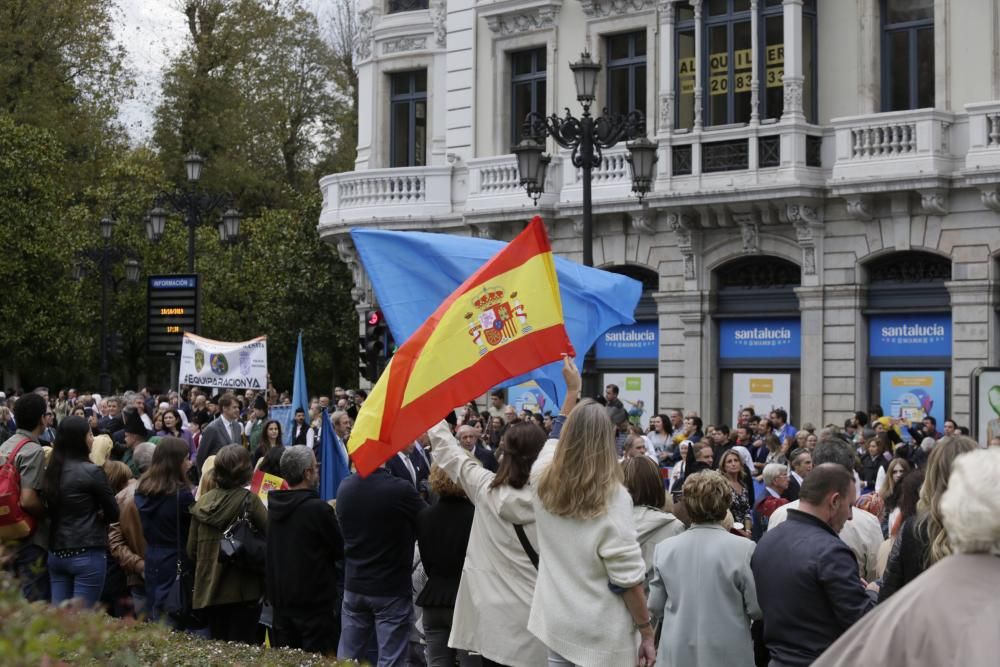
[(242, 545), (180, 597)]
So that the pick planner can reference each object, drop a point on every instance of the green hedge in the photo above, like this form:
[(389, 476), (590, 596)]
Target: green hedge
[(36, 634)]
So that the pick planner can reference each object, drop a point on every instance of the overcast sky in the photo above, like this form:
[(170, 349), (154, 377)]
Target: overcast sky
[(153, 31)]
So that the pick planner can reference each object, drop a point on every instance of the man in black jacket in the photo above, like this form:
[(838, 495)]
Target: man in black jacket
[(378, 521), (806, 576), (304, 554), (469, 437)]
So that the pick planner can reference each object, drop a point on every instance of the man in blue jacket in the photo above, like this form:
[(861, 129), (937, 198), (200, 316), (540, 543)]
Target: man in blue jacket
[(807, 577), (378, 517)]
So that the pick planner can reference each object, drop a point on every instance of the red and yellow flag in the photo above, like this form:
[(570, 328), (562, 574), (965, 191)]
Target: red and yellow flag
[(505, 320)]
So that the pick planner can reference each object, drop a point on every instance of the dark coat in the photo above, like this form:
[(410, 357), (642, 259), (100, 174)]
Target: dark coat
[(443, 536), (906, 560), (304, 552), (485, 457), (378, 516), (84, 509), (808, 588), (159, 518), (791, 494), (398, 469)]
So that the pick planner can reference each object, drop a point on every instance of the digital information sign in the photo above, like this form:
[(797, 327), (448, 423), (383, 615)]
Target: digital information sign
[(172, 307)]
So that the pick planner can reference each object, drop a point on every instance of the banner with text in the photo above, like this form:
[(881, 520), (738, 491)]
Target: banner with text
[(629, 341), (529, 396), (909, 335), (772, 338), (763, 392), (214, 363)]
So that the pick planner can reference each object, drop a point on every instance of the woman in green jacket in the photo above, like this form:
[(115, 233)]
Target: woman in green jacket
[(229, 596)]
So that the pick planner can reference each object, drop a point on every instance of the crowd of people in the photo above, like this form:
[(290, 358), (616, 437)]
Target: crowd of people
[(592, 537)]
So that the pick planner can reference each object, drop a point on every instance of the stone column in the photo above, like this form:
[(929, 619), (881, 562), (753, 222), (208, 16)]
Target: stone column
[(793, 60), (667, 66), (755, 69), (844, 372), (811, 363), (974, 338), (699, 63), (692, 382)]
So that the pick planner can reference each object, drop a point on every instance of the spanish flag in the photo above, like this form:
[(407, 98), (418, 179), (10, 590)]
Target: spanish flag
[(505, 320)]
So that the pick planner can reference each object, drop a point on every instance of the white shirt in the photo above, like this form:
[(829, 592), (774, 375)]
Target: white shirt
[(863, 534), (409, 466)]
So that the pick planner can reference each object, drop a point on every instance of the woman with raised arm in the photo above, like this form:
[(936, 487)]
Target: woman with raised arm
[(501, 563), (589, 600)]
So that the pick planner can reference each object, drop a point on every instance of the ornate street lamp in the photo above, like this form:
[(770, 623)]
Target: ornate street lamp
[(586, 137)]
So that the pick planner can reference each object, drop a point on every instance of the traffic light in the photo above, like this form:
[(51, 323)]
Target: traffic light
[(362, 359), (375, 335)]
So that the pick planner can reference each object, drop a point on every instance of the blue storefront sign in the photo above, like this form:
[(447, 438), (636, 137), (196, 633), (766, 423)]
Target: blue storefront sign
[(775, 338), (909, 335), (630, 341)]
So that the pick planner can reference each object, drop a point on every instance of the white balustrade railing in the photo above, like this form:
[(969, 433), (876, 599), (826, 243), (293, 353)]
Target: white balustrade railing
[(894, 144), (392, 193), (984, 137), (494, 183), (890, 140)]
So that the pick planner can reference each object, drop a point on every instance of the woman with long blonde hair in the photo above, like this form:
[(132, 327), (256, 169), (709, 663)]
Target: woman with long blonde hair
[(589, 598), (923, 540)]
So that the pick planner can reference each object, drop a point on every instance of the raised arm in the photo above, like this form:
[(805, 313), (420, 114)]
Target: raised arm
[(457, 463)]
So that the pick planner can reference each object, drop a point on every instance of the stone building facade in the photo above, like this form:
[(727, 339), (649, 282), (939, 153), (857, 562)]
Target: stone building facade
[(827, 202)]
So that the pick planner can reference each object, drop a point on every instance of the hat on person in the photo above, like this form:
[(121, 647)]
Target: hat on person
[(259, 403), (134, 425)]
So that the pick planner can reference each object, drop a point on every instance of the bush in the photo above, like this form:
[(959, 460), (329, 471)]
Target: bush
[(37, 634)]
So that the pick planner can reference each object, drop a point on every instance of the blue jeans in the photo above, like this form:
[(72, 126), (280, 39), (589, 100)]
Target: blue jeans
[(30, 566), (80, 576), (389, 617)]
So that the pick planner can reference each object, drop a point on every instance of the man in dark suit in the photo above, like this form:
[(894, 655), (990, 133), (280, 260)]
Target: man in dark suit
[(300, 429), (408, 466), (800, 461), (469, 437), (225, 430)]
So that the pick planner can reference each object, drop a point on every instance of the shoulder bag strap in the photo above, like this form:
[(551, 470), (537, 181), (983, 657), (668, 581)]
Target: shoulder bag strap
[(12, 457), (522, 537), (178, 501)]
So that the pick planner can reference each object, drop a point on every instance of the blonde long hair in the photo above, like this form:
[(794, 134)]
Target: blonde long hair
[(584, 474), (938, 470)]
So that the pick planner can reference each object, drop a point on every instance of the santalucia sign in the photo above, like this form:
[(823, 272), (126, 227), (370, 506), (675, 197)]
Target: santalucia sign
[(213, 363)]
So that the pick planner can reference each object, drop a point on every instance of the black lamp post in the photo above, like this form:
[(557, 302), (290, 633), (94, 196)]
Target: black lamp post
[(196, 206), (586, 137), (105, 257)]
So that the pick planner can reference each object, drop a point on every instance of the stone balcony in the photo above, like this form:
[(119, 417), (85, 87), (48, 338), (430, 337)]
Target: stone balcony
[(916, 149), (410, 193)]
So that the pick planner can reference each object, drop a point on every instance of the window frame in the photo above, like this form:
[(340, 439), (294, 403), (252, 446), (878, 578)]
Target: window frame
[(532, 79), (912, 28), (410, 99), (631, 64), (401, 6), (764, 11)]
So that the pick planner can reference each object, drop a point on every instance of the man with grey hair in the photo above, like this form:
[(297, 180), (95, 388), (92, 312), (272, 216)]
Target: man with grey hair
[(468, 436), (951, 608), (863, 534), (304, 551)]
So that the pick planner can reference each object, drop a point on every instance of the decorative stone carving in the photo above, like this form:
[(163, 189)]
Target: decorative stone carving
[(801, 213), (934, 202), (666, 111), (528, 20), (439, 16), (643, 221), (750, 233), (681, 224), (403, 44), (991, 198), (809, 261), (349, 255), (860, 208), (364, 40), (666, 12), (604, 8), (793, 96)]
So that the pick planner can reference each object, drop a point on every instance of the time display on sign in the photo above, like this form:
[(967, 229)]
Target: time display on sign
[(172, 309)]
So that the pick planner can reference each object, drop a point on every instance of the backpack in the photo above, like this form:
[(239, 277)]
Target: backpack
[(15, 523)]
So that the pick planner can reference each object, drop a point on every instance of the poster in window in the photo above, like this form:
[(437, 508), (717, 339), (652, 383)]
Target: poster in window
[(637, 392), (763, 392), (911, 395), (986, 402)]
